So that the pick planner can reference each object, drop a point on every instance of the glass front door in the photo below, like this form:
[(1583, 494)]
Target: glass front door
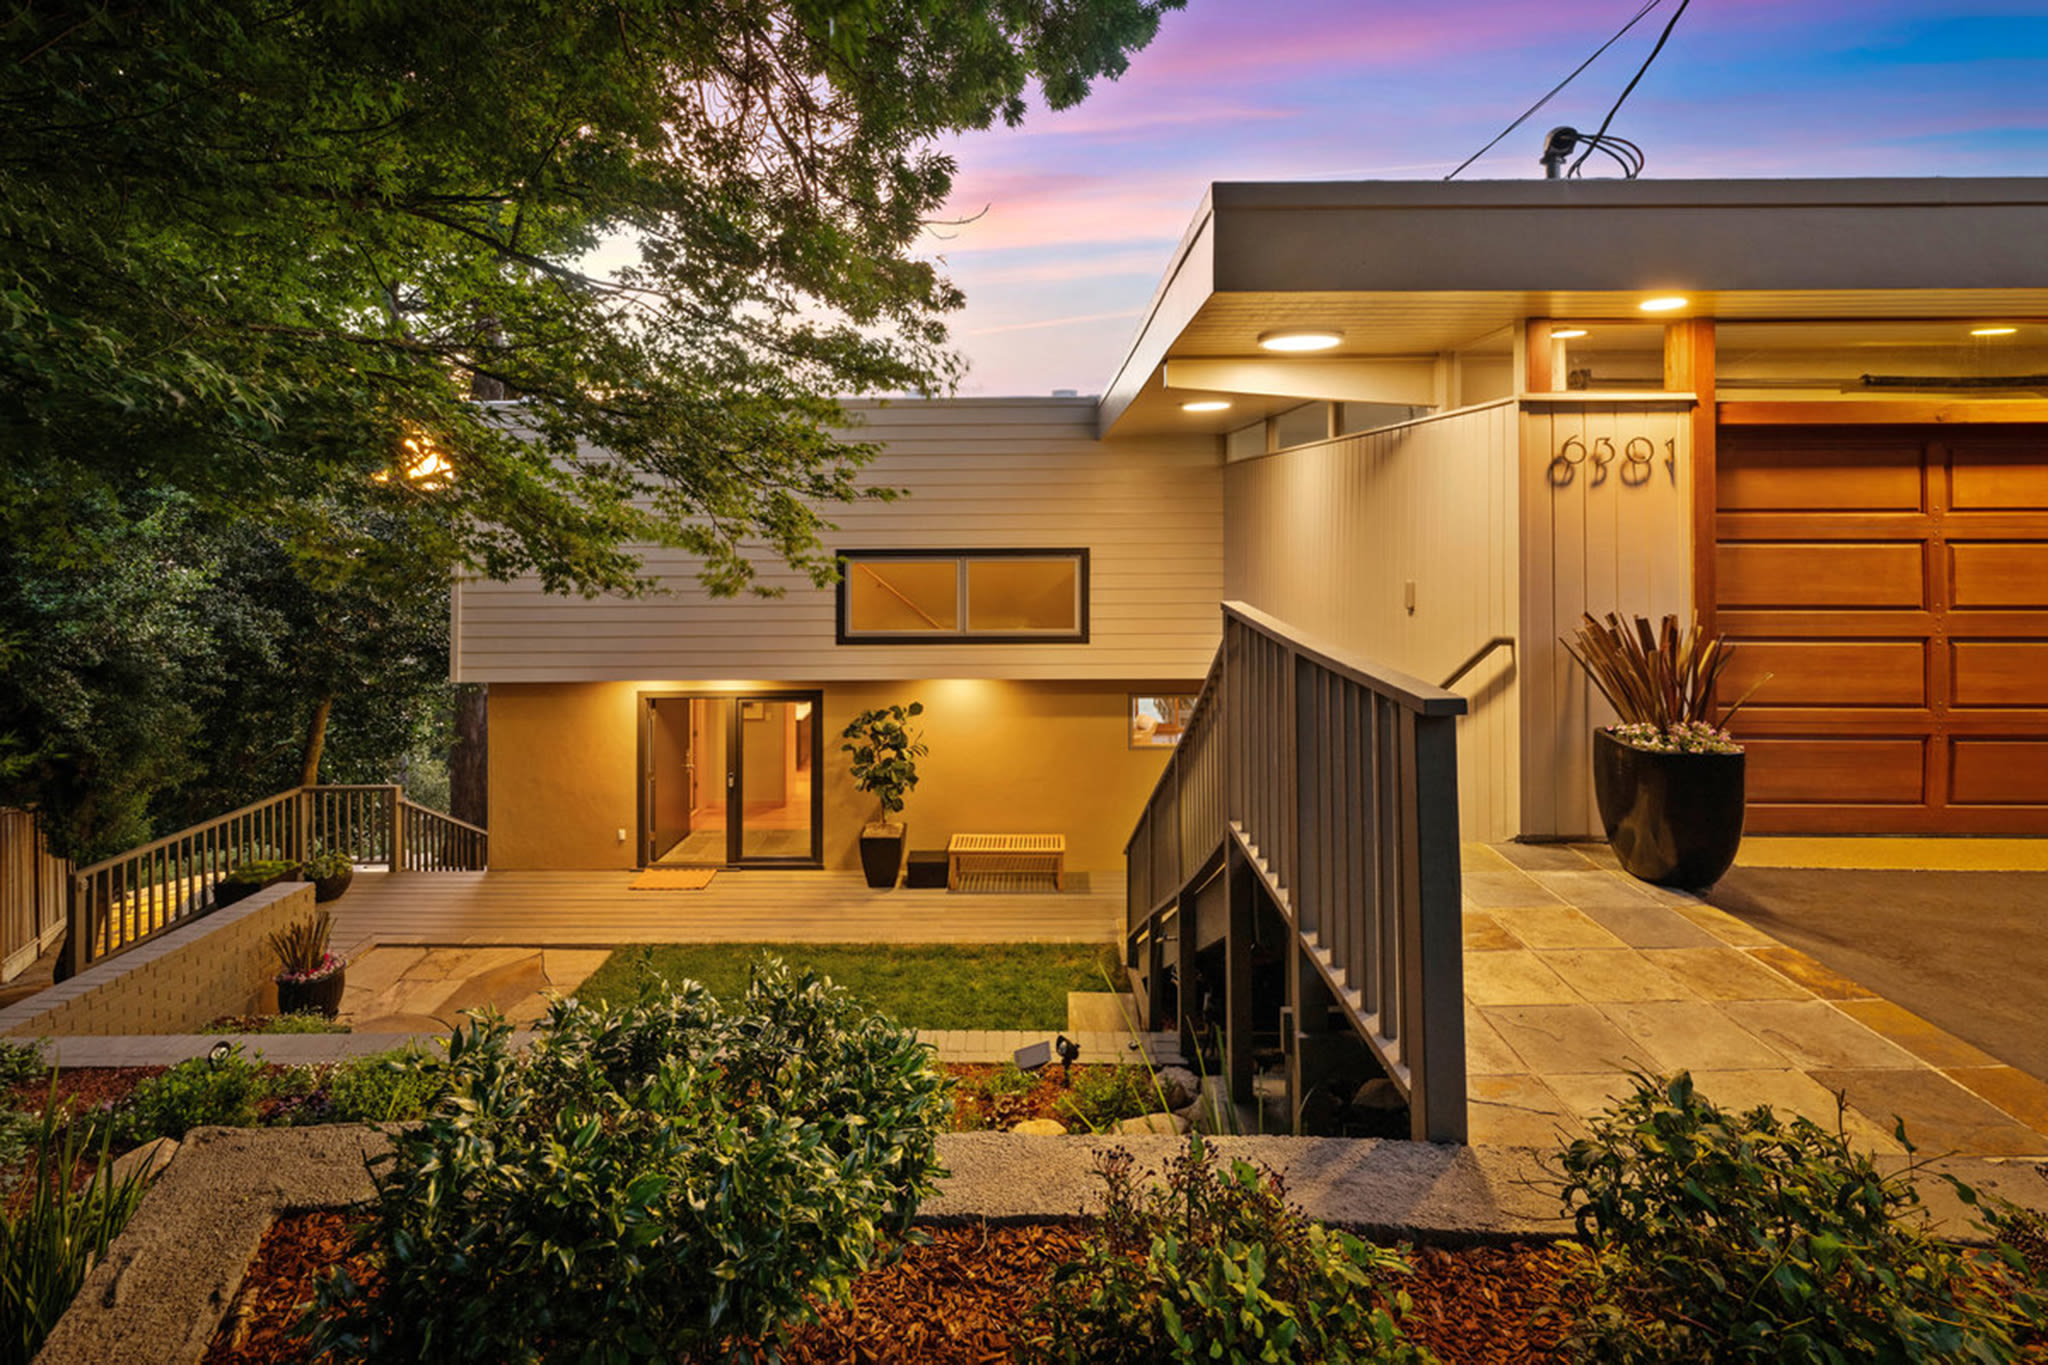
[(729, 780)]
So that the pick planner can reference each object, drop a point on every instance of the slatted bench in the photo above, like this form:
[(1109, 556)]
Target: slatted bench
[(1006, 862)]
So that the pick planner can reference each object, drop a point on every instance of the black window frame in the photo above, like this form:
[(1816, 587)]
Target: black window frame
[(964, 634)]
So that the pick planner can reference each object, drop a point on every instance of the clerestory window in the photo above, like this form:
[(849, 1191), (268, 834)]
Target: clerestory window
[(936, 597)]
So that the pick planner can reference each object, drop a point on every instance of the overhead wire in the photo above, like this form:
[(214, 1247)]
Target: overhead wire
[(1662, 38), (1531, 110)]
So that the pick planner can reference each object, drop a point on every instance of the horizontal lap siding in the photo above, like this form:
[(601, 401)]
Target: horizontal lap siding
[(978, 474), (1326, 536)]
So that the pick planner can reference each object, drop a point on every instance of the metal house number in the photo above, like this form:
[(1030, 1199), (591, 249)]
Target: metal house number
[(1637, 458)]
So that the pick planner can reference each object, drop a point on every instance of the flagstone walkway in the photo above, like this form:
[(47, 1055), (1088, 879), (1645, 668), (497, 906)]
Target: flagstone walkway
[(1576, 973)]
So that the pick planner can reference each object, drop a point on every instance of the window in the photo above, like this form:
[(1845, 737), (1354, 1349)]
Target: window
[(951, 596), (1159, 722)]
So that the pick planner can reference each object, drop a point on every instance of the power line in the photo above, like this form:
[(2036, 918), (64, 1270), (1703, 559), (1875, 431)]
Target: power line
[(1661, 38), (1652, 4)]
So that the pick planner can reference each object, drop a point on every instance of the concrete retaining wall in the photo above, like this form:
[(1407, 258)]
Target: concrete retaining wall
[(218, 964)]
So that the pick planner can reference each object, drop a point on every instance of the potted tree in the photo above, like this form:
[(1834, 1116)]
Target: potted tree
[(1668, 779), (309, 977), (884, 754)]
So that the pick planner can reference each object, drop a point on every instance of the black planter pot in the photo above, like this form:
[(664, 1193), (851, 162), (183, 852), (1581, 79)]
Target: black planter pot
[(330, 888), (881, 857), (324, 994), (1672, 819)]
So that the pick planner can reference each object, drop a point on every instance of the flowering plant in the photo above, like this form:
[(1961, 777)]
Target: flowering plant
[(1686, 737), (327, 966)]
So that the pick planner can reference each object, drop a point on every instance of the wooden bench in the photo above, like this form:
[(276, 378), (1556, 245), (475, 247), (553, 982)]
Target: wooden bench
[(1002, 856)]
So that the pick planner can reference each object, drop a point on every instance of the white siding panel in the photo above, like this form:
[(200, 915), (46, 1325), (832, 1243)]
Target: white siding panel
[(1325, 537), (978, 474), (1597, 542)]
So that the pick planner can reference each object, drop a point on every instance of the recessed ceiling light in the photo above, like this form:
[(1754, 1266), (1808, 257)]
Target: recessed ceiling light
[(1206, 405), (1300, 339), (1669, 303), (1566, 333), (1992, 331)]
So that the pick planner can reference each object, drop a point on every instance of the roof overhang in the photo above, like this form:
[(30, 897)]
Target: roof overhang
[(1408, 270)]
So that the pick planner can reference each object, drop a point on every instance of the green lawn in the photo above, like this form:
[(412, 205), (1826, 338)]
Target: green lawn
[(986, 986)]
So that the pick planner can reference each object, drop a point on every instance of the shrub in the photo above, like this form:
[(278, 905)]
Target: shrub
[(20, 1063), (261, 872), (1099, 1096), (384, 1087), (194, 1094), (51, 1236), (648, 1181), (1007, 1082), (1217, 1265), (1726, 1237), (326, 865)]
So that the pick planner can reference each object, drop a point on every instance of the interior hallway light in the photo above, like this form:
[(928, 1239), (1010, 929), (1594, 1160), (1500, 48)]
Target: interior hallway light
[(1300, 339), (1566, 333), (1206, 405), (1669, 303), (1993, 331)]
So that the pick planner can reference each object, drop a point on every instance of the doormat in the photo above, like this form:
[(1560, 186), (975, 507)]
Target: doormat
[(673, 879)]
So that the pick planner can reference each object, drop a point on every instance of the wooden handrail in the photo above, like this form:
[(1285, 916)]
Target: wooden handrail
[(1497, 642)]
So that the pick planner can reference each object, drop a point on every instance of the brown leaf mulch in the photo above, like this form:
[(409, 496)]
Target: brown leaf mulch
[(975, 1111), (83, 1087), (959, 1299)]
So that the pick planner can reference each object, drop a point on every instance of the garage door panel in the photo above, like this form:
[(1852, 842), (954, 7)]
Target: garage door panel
[(2000, 673), (1856, 478), (1837, 771), (1998, 575), (1991, 772), (1831, 673), (1820, 575), (1989, 482)]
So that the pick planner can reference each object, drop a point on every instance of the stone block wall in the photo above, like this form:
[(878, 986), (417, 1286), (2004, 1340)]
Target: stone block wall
[(219, 964)]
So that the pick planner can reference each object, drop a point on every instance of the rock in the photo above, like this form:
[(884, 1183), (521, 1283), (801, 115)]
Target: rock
[(1180, 1086), (1379, 1093), (1041, 1128), (1170, 1124), (149, 1159)]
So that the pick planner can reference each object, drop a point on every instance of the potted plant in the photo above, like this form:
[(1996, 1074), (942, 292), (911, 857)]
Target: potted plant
[(245, 879), (1668, 779), (884, 754), (308, 976), (330, 874)]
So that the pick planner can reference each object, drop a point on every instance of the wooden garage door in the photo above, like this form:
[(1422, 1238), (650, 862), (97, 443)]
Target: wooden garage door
[(1894, 581)]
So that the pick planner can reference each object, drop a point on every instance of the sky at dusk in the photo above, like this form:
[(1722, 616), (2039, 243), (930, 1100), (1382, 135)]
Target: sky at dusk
[(1079, 211)]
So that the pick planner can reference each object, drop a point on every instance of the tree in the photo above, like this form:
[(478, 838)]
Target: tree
[(263, 251)]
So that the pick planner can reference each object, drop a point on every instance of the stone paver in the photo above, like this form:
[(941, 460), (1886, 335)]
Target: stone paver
[(1605, 975), (1561, 1039), (1724, 974), (1691, 1035), (1939, 1115), (1514, 978), (1554, 926), (1811, 1034)]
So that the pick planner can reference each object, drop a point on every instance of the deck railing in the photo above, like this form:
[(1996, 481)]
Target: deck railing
[(32, 892), (126, 900), (1334, 783)]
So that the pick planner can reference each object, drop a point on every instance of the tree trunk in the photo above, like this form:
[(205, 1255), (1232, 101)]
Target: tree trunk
[(316, 739), (469, 774)]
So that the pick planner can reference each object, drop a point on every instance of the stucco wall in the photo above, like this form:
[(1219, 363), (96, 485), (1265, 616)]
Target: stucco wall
[(1006, 757)]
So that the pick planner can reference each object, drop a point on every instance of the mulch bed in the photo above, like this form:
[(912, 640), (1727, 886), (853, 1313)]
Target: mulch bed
[(974, 1111), (84, 1087), (959, 1299)]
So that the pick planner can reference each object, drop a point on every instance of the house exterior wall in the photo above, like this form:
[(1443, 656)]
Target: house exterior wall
[(1595, 539), (1326, 536), (978, 474), (1006, 757)]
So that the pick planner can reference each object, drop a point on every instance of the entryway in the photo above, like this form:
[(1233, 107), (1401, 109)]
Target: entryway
[(729, 780)]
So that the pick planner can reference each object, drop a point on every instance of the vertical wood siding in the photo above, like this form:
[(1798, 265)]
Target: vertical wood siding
[(34, 890), (1597, 540), (1325, 537), (980, 473)]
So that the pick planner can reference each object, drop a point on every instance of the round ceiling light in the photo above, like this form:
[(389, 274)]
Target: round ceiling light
[(2000, 331), (1300, 339), (1668, 303), (1206, 405), (1566, 333)]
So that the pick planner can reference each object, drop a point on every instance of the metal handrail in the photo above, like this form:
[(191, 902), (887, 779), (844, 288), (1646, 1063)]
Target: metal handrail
[(1497, 642)]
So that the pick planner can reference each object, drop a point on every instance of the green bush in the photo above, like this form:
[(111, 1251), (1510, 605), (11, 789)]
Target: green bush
[(1101, 1096), (21, 1063), (1007, 1082), (194, 1094), (261, 872), (1217, 1265), (384, 1087), (51, 1235), (648, 1181), (1744, 1237)]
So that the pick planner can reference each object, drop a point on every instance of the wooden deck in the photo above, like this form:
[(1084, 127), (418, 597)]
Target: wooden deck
[(581, 909)]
